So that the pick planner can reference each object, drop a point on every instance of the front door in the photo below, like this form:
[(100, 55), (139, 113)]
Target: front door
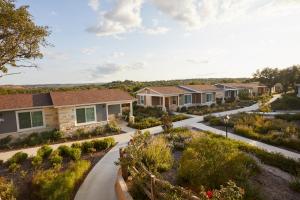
[(167, 102)]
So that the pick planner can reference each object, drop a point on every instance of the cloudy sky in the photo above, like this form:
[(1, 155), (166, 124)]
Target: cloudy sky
[(106, 40)]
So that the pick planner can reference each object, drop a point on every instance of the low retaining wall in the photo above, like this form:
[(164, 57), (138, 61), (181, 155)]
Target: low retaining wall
[(121, 188)]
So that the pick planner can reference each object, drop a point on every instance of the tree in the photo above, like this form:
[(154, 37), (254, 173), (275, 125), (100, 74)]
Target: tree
[(284, 75), (20, 37), (267, 76)]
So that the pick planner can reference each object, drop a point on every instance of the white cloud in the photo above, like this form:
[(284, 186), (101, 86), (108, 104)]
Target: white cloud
[(94, 4), (125, 16), (56, 55), (196, 61), (156, 30), (117, 54), (198, 13), (88, 51), (184, 11), (110, 68)]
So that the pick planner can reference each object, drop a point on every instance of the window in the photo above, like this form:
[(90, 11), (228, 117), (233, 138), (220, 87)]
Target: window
[(187, 99), (31, 119), (174, 100), (209, 97), (142, 100), (85, 115)]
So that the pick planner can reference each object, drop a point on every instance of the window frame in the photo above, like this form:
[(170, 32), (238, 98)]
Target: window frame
[(211, 100), (191, 99), (85, 107), (31, 128), (142, 100)]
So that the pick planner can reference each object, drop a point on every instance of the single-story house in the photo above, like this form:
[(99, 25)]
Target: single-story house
[(65, 111), (232, 90), (173, 97)]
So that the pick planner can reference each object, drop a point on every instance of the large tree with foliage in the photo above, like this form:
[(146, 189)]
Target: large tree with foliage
[(267, 76), (20, 37)]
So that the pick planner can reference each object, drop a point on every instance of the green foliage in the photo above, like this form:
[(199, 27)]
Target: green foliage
[(213, 162), (178, 117), (69, 152), (44, 152), (103, 144), (157, 156), (167, 124), (20, 36), (288, 117), (17, 158), (7, 190), (37, 161), (14, 167), (286, 102), (55, 158), (145, 123), (5, 142), (54, 185), (113, 127), (87, 147)]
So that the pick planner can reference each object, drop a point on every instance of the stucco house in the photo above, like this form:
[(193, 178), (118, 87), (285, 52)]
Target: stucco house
[(173, 97), (65, 111), (232, 90)]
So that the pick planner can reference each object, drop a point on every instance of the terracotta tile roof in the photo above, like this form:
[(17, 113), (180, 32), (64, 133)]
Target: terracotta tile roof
[(202, 88), (169, 90), (20, 101), (89, 96), (244, 85)]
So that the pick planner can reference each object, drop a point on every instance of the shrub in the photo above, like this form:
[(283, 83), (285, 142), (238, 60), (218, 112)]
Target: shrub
[(288, 117), (63, 150), (145, 123), (13, 167), (112, 126), (157, 155), (55, 159), (57, 135), (106, 143), (7, 190), (244, 130), (4, 142), (286, 102), (75, 154), (80, 133), (100, 130), (44, 152), (213, 162), (69, 152), (183, 109), (76, 145), (18, 158), (166, 123), (178, 117), (87, 147), (37, 161), (54, 185)]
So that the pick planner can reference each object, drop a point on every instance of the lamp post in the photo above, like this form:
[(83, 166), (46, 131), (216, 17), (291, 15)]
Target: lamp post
[(226, 120)]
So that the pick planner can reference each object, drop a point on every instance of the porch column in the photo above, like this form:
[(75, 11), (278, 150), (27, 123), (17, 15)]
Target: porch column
[(131, 117), (178, 100), (164, 104)]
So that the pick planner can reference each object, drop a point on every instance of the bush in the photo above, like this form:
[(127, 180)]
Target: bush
[(244, 130), (55, 185), (87, 147), (7, 190), (157, 156), (167, 124), (5, 142), (76, 145), (55, 159), (106, 143), (100, 130), (44, 152), (113, 127), (213, 162), (37, 161), (288, 117), (178, 117), (145, 123), (18, 158), (13, 167), (286, 102), (69, 152)]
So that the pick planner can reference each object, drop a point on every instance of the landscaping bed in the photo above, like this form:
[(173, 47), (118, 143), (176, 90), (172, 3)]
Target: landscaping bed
[(277, 132), (56, 137), (51, 174), (286, 102), (203, 110), (203, 165), (150, 117)]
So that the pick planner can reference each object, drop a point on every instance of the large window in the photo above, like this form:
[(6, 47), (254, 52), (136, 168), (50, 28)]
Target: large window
[(187, 99), (209, 97), (85, 115), (30, 119), (142, 100)]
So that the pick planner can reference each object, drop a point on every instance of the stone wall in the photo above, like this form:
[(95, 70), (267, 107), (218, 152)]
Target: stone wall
[(66, 119)]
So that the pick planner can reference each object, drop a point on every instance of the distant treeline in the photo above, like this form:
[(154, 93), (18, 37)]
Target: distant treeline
[(127, 85)]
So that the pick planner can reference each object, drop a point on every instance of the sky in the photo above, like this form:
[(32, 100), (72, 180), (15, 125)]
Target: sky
[(145, 40)]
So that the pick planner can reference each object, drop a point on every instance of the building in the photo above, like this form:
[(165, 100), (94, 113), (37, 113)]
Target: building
[(173, 97), (298, 90), (65, 111), (232, 90)]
